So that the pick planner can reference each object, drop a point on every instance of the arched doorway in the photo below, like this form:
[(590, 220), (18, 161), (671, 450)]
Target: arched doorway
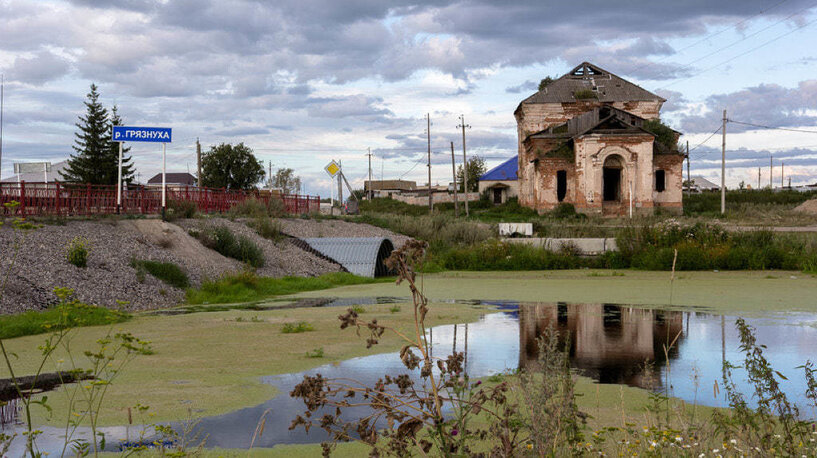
[(612, 171)]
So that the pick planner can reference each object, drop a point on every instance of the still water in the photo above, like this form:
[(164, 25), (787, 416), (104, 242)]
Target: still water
[(610, 343)]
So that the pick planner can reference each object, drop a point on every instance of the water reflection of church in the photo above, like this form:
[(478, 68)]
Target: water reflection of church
[(610, 343)]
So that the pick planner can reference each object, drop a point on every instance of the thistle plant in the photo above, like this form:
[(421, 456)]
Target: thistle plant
[(432, 413)]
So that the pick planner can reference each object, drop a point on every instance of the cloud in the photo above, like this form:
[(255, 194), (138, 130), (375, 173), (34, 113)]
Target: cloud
[(42, 67), (527, 86), (358, 106), (764, 104)]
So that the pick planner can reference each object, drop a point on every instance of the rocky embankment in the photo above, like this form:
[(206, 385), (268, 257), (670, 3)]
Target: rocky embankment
[(36, 261)]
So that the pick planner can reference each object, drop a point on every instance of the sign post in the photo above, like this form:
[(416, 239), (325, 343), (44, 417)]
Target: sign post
[(161, 135), (332, 168), (119, 182), (32, 167)]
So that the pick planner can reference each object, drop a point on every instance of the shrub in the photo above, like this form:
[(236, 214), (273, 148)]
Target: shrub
[(222, 240), (296, 328), (583, 94), (316, 353), (564, 210), (257, 208), (77, 252), (167, 272), (276, 208), (177, 209), (267, 228), (251, 207)]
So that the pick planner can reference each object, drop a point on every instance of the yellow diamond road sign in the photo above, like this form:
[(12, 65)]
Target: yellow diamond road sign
[(332, 169)]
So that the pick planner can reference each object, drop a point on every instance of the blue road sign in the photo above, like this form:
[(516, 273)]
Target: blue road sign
[(142, 134)]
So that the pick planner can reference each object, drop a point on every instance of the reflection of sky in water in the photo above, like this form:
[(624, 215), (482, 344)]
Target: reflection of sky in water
[(608, 350)]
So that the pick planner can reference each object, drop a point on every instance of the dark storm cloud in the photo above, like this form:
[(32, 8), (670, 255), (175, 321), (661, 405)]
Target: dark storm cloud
[(765, 104)]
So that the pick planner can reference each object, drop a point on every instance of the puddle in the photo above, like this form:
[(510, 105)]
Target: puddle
[(609, 343)]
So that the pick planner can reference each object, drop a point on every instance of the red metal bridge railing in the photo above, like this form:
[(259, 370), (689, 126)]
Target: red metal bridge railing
[(69, 199)]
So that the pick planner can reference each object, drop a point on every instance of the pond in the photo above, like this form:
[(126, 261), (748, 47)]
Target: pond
[(610, 343)]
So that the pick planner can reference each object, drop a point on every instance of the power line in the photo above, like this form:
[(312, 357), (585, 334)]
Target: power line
[(707, 139), (689, 64), (772, 127), (741, 54), (710, 36)]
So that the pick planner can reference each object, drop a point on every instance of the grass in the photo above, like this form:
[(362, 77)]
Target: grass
[(744, 292), (316, 353), (268, 228), (67, 315), (213, 364), (747, 207), (296, 328), (247, 287), (222, 240), (167, 272)]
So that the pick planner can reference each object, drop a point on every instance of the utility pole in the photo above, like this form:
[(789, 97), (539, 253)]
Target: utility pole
[(464, 163), (689, 179), (782, 173), (340, 185), (198, 161), (454, 174), (771, 171), (758, 178), (371, 191), (428, 132), (723, 167)]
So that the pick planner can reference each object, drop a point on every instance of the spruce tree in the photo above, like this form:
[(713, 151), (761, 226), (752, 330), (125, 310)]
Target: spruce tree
[(127, 166), (92, 145)]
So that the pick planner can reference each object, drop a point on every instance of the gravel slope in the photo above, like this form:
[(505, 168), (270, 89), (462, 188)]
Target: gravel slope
[(41, 264), (280, 259)]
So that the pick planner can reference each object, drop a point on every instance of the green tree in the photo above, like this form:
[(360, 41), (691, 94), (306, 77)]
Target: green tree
[(286, 181), (127, 166), (231, 166), (476, 168), (666, 140), (545, 82), (92, 144)]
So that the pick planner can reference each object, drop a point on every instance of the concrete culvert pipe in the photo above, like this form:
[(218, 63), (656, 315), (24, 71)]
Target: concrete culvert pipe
[(364, 256)]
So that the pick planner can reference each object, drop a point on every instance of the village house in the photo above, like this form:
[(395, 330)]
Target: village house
[(594, 140), (501, 181)]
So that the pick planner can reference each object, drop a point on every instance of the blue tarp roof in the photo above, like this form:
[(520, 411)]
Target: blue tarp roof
[(503, 172)]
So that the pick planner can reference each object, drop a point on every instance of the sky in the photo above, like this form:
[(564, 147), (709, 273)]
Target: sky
[(303, 82)]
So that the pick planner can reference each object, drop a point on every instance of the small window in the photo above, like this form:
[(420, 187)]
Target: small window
[(561, 185), (660, 181)]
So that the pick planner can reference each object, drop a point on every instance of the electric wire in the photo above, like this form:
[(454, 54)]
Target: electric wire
[(798, 28), (772, 127)]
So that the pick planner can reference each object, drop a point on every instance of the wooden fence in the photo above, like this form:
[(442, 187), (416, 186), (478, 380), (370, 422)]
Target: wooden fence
[(64, 199)]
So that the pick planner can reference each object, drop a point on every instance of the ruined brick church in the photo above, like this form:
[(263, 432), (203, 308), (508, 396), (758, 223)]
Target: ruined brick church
[(591, 139)]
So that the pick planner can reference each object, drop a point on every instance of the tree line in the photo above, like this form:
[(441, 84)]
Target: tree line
[(96, 158)]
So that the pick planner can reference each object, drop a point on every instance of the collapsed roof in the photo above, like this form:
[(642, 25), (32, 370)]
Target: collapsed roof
[(605, 87)]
